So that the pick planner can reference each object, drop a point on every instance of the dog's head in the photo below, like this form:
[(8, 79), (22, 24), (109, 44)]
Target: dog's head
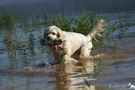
[(52, 33)]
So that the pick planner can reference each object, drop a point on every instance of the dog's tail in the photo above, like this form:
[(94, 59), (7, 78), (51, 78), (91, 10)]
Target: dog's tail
[(97, 29)]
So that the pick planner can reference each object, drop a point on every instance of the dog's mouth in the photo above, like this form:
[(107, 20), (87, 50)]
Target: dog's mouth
[(51, 43), (49, 38)]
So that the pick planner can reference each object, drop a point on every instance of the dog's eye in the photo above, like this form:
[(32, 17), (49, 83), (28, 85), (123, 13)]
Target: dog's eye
[(53, 33)]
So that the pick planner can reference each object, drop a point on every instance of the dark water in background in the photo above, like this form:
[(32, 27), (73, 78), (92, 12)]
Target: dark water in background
[(32, 7)]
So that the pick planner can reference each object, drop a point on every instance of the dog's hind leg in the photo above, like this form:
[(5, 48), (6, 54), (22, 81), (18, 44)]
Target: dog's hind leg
[(85, 52)]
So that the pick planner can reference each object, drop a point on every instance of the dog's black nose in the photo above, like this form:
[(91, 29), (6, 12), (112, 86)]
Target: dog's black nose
[(48, 38)]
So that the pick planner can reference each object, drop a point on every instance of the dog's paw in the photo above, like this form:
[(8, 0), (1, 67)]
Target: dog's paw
[(73, 61), (99, 56)]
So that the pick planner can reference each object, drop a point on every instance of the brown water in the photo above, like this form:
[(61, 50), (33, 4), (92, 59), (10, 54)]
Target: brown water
[(117, 66)]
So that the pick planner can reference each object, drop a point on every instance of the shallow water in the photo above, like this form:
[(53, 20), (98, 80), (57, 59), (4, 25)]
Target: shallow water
[(117, 65)]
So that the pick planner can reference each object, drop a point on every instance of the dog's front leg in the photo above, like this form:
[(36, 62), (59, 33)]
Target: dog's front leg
[(68, 59)]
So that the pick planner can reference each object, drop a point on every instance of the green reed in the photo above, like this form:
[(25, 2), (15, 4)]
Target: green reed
[(24, 20), (1, 21), (31, 42), (122, 27), (36, 22), (7, 21), (10, 45), (89, 75)]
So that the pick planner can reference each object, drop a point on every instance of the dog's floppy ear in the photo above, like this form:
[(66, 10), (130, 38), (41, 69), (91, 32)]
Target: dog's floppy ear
[(45, 34), (60, 34)]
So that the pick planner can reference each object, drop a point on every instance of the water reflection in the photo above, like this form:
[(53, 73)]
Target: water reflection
[(67, 77), (72, 77)]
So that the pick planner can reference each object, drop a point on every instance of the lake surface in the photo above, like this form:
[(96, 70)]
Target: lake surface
[(39, 7), (117, 64)]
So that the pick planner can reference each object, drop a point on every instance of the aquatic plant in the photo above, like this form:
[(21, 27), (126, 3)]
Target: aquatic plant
[(46, 19), (111, 29), (13, 45), (36, 22), (7, 21), (24, 20), (1, 21), (63, 10), (121, 27), (31, 42), (89, 75), (10, 45), (83, 23)]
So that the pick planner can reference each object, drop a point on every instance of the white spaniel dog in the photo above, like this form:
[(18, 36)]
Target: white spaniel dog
[(76, 46)]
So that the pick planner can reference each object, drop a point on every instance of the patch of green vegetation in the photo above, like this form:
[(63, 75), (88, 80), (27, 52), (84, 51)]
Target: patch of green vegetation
[(36, 22), (82, 23), (10, 45), (7, 20), (24, 21)]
